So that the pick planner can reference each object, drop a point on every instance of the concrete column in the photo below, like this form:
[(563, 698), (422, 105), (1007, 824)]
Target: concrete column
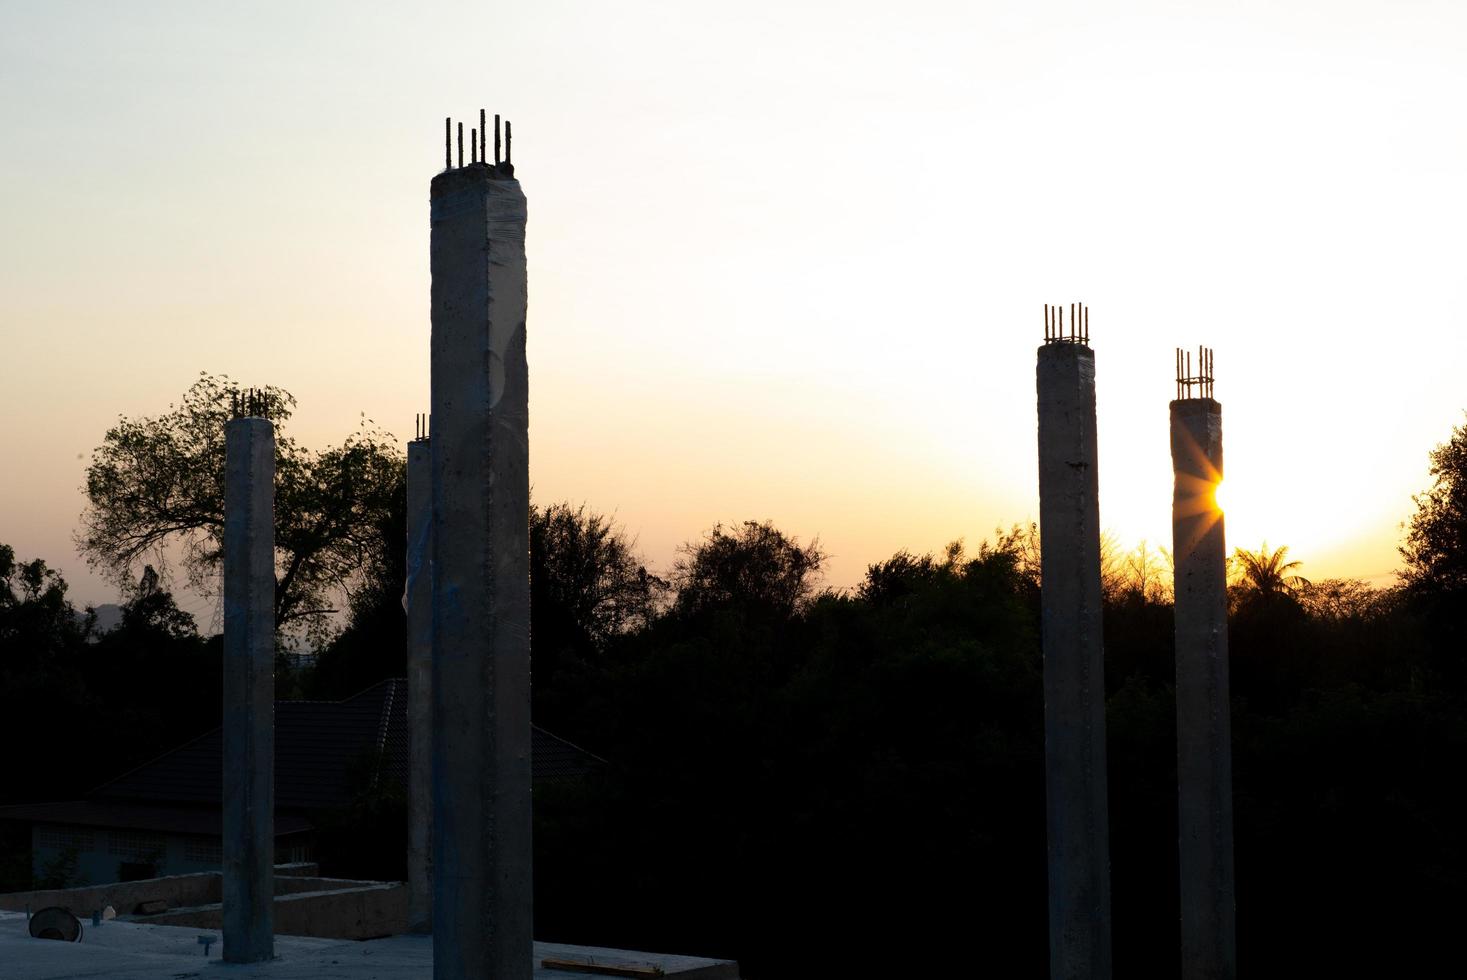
[(1074, 683), (418, 602), (1204, 729), (482, 896), (249, 690)]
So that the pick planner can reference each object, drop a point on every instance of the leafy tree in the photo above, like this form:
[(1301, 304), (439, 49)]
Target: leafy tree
[(588, 589), (1138, 625), (1436, 537), (1112, 566), (1147, 573), (761, 724), (1435, 577), (1337, 600), (45, 710), (586, 575), (36, 618), (152, 676), (372, 645), (754, 564), (155, 489), (151, 611)]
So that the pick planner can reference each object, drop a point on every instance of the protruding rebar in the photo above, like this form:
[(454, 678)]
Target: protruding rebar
[(482, 157), (460, 145), (1055, 329), (508, 143), (447, 142), (496, 139)]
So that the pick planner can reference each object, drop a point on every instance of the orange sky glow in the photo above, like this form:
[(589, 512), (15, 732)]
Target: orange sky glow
[(788, 260)]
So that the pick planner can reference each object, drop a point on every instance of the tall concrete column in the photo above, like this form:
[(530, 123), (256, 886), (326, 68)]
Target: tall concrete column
[(1204, 728), (1074, 681), (249, 690), (482, 896), (418, 603)]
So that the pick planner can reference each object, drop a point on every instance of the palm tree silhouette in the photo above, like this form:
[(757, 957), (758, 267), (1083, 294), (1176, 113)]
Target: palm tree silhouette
[(1265, 574)]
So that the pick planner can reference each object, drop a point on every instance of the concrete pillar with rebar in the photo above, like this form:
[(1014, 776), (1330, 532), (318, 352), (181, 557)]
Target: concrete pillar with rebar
[(418, 602), (1204, 728), (249, 689), (1074, 681), (482, 894)]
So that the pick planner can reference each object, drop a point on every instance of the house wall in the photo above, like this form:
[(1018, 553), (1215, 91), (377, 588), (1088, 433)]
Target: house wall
[(101, 851)]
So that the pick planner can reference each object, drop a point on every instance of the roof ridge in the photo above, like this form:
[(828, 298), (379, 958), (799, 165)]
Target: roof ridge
[(382, 722), (542, 731), (143, 765), (372, 687)]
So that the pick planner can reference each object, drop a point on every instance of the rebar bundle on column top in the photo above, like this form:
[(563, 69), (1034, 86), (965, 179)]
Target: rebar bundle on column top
[(1197, 385), (478, 145), (1078, 331), (249, 403)]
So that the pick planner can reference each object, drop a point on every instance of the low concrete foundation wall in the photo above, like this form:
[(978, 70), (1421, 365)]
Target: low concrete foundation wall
[(177, 890), (352, 910), (123, 896)]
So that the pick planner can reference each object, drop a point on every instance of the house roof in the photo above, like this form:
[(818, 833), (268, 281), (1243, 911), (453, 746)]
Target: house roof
[(203, 821), (324, 750)]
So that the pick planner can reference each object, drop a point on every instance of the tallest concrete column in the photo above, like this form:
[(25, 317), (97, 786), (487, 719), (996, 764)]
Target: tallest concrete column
[(1074, 682), (1204, 727), (482, 899)]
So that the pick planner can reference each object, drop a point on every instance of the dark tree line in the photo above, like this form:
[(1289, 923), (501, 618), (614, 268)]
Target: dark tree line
[(819, 782)]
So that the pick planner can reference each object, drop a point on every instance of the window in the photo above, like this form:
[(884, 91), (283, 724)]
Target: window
[(294, 853), (65, 838), (203, 850), (136, 845)]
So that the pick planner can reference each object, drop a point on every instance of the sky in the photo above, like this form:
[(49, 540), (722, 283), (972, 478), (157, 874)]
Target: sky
[(788, 260)]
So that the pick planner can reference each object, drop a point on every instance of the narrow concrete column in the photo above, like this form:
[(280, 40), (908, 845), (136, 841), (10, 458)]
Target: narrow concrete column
[(249, 690), (1204, 728), (482, 895), (418, 602), (1074, 684)]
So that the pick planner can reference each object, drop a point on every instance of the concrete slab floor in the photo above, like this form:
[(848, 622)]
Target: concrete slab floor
[(137, 951)]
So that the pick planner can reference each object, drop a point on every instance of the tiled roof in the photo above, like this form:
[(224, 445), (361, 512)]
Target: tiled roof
[(323, 749), (204, 821)]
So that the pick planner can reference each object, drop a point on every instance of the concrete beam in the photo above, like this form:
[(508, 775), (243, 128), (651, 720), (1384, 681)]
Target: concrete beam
[(418, 600), (1204, 725), (482, 888), (1074, 681), (248, 841)]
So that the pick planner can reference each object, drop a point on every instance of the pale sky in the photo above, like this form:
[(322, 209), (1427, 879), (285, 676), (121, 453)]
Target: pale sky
[(787, 260)]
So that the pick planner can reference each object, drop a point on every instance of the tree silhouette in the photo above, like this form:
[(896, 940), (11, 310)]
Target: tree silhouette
[(753, 563), (155, 490), (1435, 577), (1436, 538), (1267, 576)]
